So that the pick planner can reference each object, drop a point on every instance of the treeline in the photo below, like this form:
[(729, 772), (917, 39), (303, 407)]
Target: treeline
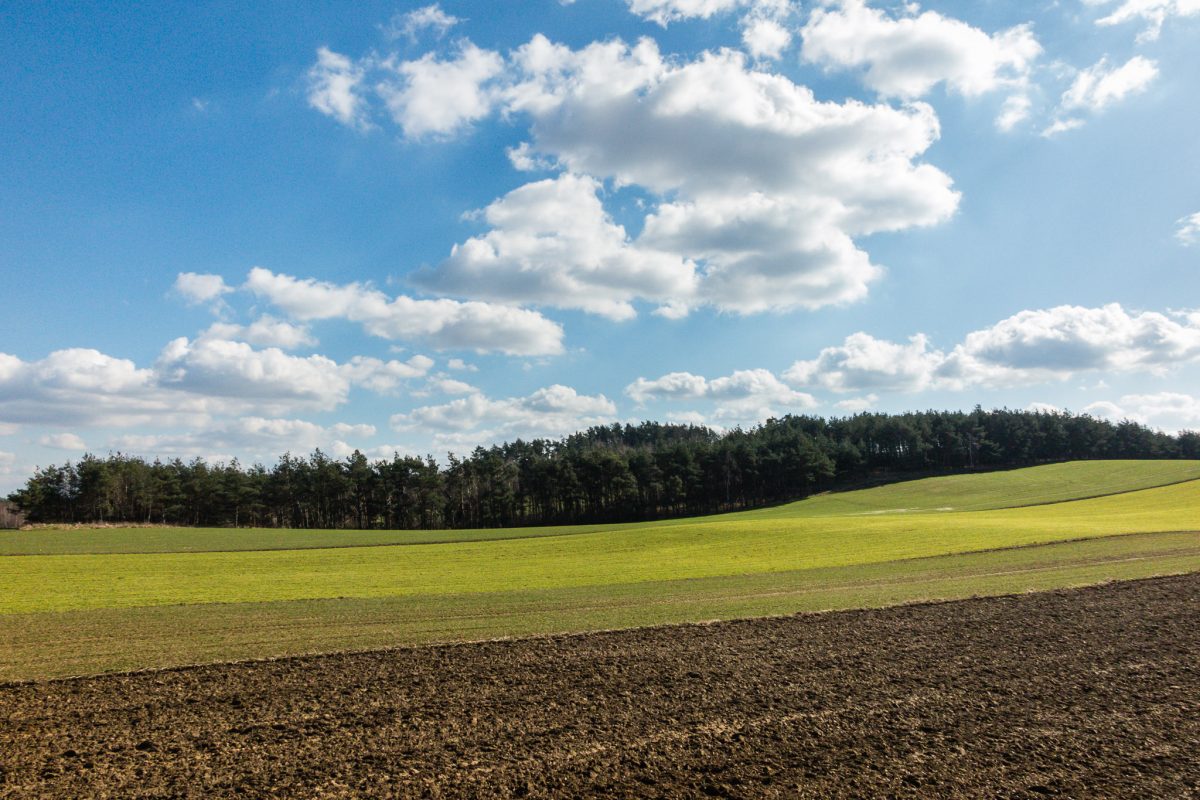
[(614, 473)]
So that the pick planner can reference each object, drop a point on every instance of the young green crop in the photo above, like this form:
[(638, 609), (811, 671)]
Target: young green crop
[(44, 645), (707, 547), (179, 596)]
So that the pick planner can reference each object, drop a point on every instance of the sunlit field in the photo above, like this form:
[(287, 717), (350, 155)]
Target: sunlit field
[(78, 601)]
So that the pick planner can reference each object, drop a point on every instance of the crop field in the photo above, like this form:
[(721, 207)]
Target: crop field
[(1088, 692), (90, 601), (551, 662)]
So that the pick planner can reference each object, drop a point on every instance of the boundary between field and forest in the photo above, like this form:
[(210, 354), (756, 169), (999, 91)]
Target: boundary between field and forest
[(618, 473)]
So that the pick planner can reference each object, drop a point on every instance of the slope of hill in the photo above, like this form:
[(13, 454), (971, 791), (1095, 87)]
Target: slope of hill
[(60, 614), (1052, 483)]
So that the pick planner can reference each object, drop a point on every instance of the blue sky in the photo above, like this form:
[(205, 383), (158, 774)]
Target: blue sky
[(241, 229)]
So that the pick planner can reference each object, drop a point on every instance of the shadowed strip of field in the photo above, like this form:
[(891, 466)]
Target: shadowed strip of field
[(46, 645)]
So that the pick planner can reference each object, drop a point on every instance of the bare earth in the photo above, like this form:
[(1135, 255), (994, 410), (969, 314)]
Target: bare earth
[(1081, 693)]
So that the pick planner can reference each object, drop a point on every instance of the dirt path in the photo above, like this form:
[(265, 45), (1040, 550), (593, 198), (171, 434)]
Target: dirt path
[(1083, 693)]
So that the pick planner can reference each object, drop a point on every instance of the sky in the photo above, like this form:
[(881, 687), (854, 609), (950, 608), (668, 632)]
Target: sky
[(231, 230)]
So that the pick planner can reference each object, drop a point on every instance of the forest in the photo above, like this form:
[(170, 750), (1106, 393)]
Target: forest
[(615, 473)]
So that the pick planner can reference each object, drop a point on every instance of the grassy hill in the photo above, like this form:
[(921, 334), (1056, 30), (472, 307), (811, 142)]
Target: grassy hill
[(238, 597), (1052, 483)]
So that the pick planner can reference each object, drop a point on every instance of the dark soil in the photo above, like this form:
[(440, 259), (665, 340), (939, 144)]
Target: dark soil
[(1084, 693)]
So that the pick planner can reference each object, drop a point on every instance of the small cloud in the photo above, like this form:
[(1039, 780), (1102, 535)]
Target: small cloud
[(1100, 86), (451, 386), (857, 404), (688, 417), (1187, 230), (1014, 111), (459, 365), (524, 159), (200, 289), (1062, 126), (765, 38), (1153, 12), (63, 441), (334, 84), (430, 17), (474, 418), (266, 331)]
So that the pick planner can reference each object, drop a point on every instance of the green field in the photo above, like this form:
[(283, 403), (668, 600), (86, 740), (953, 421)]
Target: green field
[(98, 600), (1052, 483)]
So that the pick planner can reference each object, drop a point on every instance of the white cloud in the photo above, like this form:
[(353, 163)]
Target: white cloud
[(334, 89), (459, 365), (1063, 125), (665, 12), (385, 452), (692, 418), (745, 396), (8, 428), (763, 31), (552, 243), (199, 289), (1100, 86), (1014, 111), (1028, 348), (765, 186), (906, 56), (221, 368), (274, 380), (266, 331), (385, 376), (523, 159), (1106, 409), (191, 383), (440, 97), (758, 190), (444, 323), (63, 441), (673, 385), (1055, 343), (258, 437), (1169, 411), (765, 38), (864, 363), (1154, 12), (854, 405), (86, 387), (443, 385), (763, 253), (430, 17), (1187, 230), (1044, 408), (550, 412)]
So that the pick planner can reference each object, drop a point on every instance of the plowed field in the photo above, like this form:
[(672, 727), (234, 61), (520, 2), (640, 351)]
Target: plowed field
[(1077, 693)]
